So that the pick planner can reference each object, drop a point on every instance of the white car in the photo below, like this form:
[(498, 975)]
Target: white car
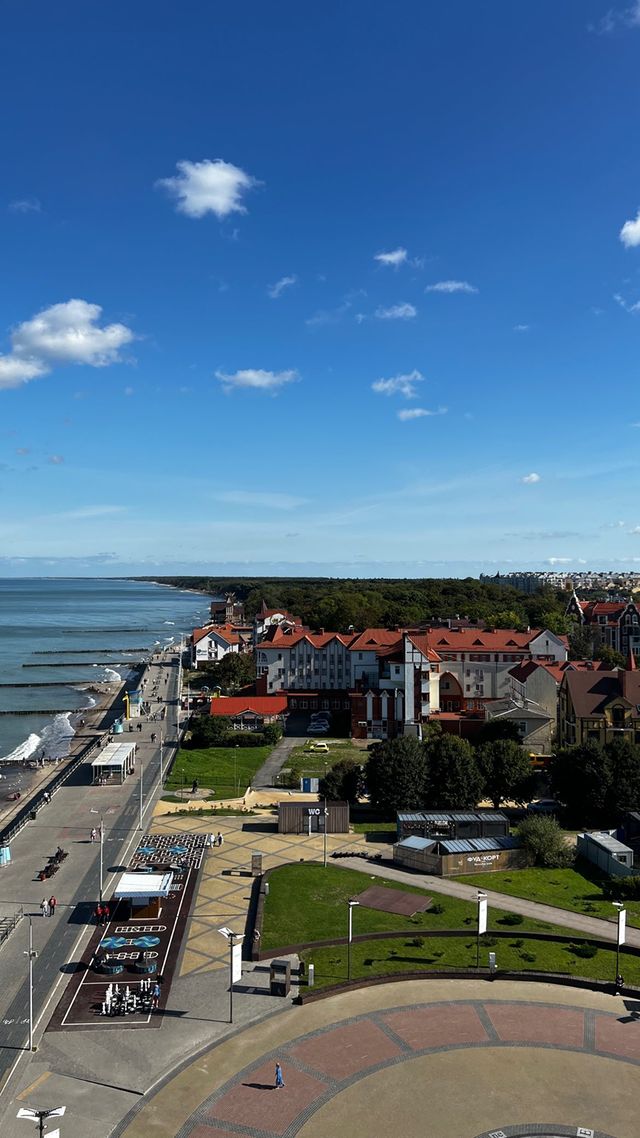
[(318, 729)]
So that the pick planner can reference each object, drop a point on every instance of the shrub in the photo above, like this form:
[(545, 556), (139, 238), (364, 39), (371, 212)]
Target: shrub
[(543, 840), (437, 909), (489, 941), (511, 919), (272, 733), (586, 951), (530, 957), (415, 942), (621, 888), (517, 943)]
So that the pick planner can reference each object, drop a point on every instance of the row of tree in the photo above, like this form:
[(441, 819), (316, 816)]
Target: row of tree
[(340, 603), (443, 772), (597, 783)]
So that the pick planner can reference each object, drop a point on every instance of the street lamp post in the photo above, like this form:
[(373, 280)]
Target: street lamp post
[(182, 772), (232, 938), (102, 857), (482, 923), (32, 955), (352, 904), (141, 788), (161, 758), (41, 1116), (324, 828), (621, 935)]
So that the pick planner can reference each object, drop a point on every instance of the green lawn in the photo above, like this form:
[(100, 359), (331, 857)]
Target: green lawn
[(307, 902), (564, 888), (313, 762), (227, 770), (381, 957)]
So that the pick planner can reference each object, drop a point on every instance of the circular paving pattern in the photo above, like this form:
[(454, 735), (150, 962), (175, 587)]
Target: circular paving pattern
[(451, 1069)]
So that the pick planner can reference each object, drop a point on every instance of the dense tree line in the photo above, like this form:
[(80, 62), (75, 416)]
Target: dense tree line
[(444, 772), (338, 604), (597, 783)]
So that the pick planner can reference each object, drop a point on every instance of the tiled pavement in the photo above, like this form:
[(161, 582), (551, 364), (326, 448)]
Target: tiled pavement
[(462, 1064)]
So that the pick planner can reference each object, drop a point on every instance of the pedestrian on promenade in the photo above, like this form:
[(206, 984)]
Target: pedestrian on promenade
[(279, 1079), (106, 913), (94, 834), (194, 786), (98, 914), (220, 838), (156, 995), (47, 797), (44, 907), (52, 906)]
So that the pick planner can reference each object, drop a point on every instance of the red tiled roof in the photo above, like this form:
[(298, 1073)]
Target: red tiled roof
[(278, 637), (422, 642), (226, 632), (260, 704), (374, 638), (590, 693)]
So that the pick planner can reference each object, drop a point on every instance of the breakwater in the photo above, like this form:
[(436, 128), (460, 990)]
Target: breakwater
[(83, 664)]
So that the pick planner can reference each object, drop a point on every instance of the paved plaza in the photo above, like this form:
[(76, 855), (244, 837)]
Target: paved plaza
[(447, 1059)]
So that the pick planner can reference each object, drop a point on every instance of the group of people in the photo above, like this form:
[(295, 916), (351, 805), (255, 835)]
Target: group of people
[(102, 915), (48, 908)]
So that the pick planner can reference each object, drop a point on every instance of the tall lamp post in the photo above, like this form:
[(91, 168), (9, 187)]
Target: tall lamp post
[(324, 828), (161, 759), (621, 935), (233, 939), (482, 923), (41, 1116), (141, 788), (352, 904), (32, 955)]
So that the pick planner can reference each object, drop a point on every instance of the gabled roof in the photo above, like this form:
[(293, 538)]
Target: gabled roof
[(278, 637), (423, 642), (226, 632), (374, 638), (591, 692), (466, 639)]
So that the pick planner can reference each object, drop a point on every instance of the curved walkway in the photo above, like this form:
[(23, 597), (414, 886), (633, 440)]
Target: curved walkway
[(449, 1058)]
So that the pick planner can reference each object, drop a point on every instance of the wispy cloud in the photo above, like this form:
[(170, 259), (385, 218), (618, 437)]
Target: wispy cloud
[(208, 187), (325, 316), (404, 385), (256, 379), (632, 308), (451, 286), (402, 311), (531, 479), (521, 327), (55, 459), (630, 232), (409, 413), (276, 290), (85, 512), (616, 18), (395, 258), (266, 499), (26, 205), (66, 333)]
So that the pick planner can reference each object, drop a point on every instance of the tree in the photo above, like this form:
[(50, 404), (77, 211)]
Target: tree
[(583, 641), (499, 729), (343, 782), (396, 774), (544, 842), (580, 777), (610, 657), (210, 731), (454, 781), (624, 785), (505, 769), (234, 671), (272, 733)]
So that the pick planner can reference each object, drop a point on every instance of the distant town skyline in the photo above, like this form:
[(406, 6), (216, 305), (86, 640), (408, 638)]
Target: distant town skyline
[(348, 292)]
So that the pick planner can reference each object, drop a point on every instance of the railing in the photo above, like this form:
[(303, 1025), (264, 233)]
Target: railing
[(8, 924), (19, 821)]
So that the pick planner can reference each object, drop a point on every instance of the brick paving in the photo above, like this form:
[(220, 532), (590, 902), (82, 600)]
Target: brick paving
[(323, 1063)]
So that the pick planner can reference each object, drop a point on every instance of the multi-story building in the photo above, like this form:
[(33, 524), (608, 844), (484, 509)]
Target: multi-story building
[(227, 610), (266, 618), (211, 643), (616, 624), (600, 705)]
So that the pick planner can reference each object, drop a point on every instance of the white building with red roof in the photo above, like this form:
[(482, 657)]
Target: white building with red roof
[(211, 643), (615, 623)]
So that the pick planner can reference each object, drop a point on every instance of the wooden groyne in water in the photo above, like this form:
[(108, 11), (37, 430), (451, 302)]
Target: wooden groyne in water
[(48, 711), (85, 651), (83, 664)]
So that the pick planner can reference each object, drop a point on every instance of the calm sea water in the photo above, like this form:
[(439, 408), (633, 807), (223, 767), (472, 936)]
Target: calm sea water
[(99, 626)]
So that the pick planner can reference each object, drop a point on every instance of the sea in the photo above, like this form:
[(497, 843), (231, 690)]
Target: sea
[(72, 633)]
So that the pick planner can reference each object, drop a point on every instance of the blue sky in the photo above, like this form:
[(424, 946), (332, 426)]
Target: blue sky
[(346, 289)]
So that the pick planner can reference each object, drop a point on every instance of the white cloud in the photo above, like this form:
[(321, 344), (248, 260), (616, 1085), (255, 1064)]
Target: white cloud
[(84, 512), (530, 479), (617, 18), (635, 530), (404, 385), (632, 308), (208, 187), (326, 316), (630, 232), (55, 459), (25, 205), (559, 560), (451, 286), (257, 379), (274, 291), (418, 413), (65, 333), (521, 327), (269, 500), (397, 312), (396, 258)]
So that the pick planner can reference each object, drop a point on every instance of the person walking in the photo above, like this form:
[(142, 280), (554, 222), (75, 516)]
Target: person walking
[(220, 838), (94, 834), (98, 914), (279, 1079), (52, 906), (44, 907), (194, 786), (106, 914), (156, 995)]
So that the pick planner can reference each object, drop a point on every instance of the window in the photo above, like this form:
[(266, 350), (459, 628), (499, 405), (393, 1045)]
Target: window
[(293, 703)]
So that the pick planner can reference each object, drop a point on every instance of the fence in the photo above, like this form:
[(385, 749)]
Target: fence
[(8, 924), (19, 820)]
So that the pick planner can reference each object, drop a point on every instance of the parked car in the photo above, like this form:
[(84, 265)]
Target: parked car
[(316, 745), (320, 715), (318, 729), (544, 806)]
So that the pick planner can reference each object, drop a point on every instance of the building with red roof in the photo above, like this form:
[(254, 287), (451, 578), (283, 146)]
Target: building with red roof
[(250, 712), (616, 624), (210, 643)]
